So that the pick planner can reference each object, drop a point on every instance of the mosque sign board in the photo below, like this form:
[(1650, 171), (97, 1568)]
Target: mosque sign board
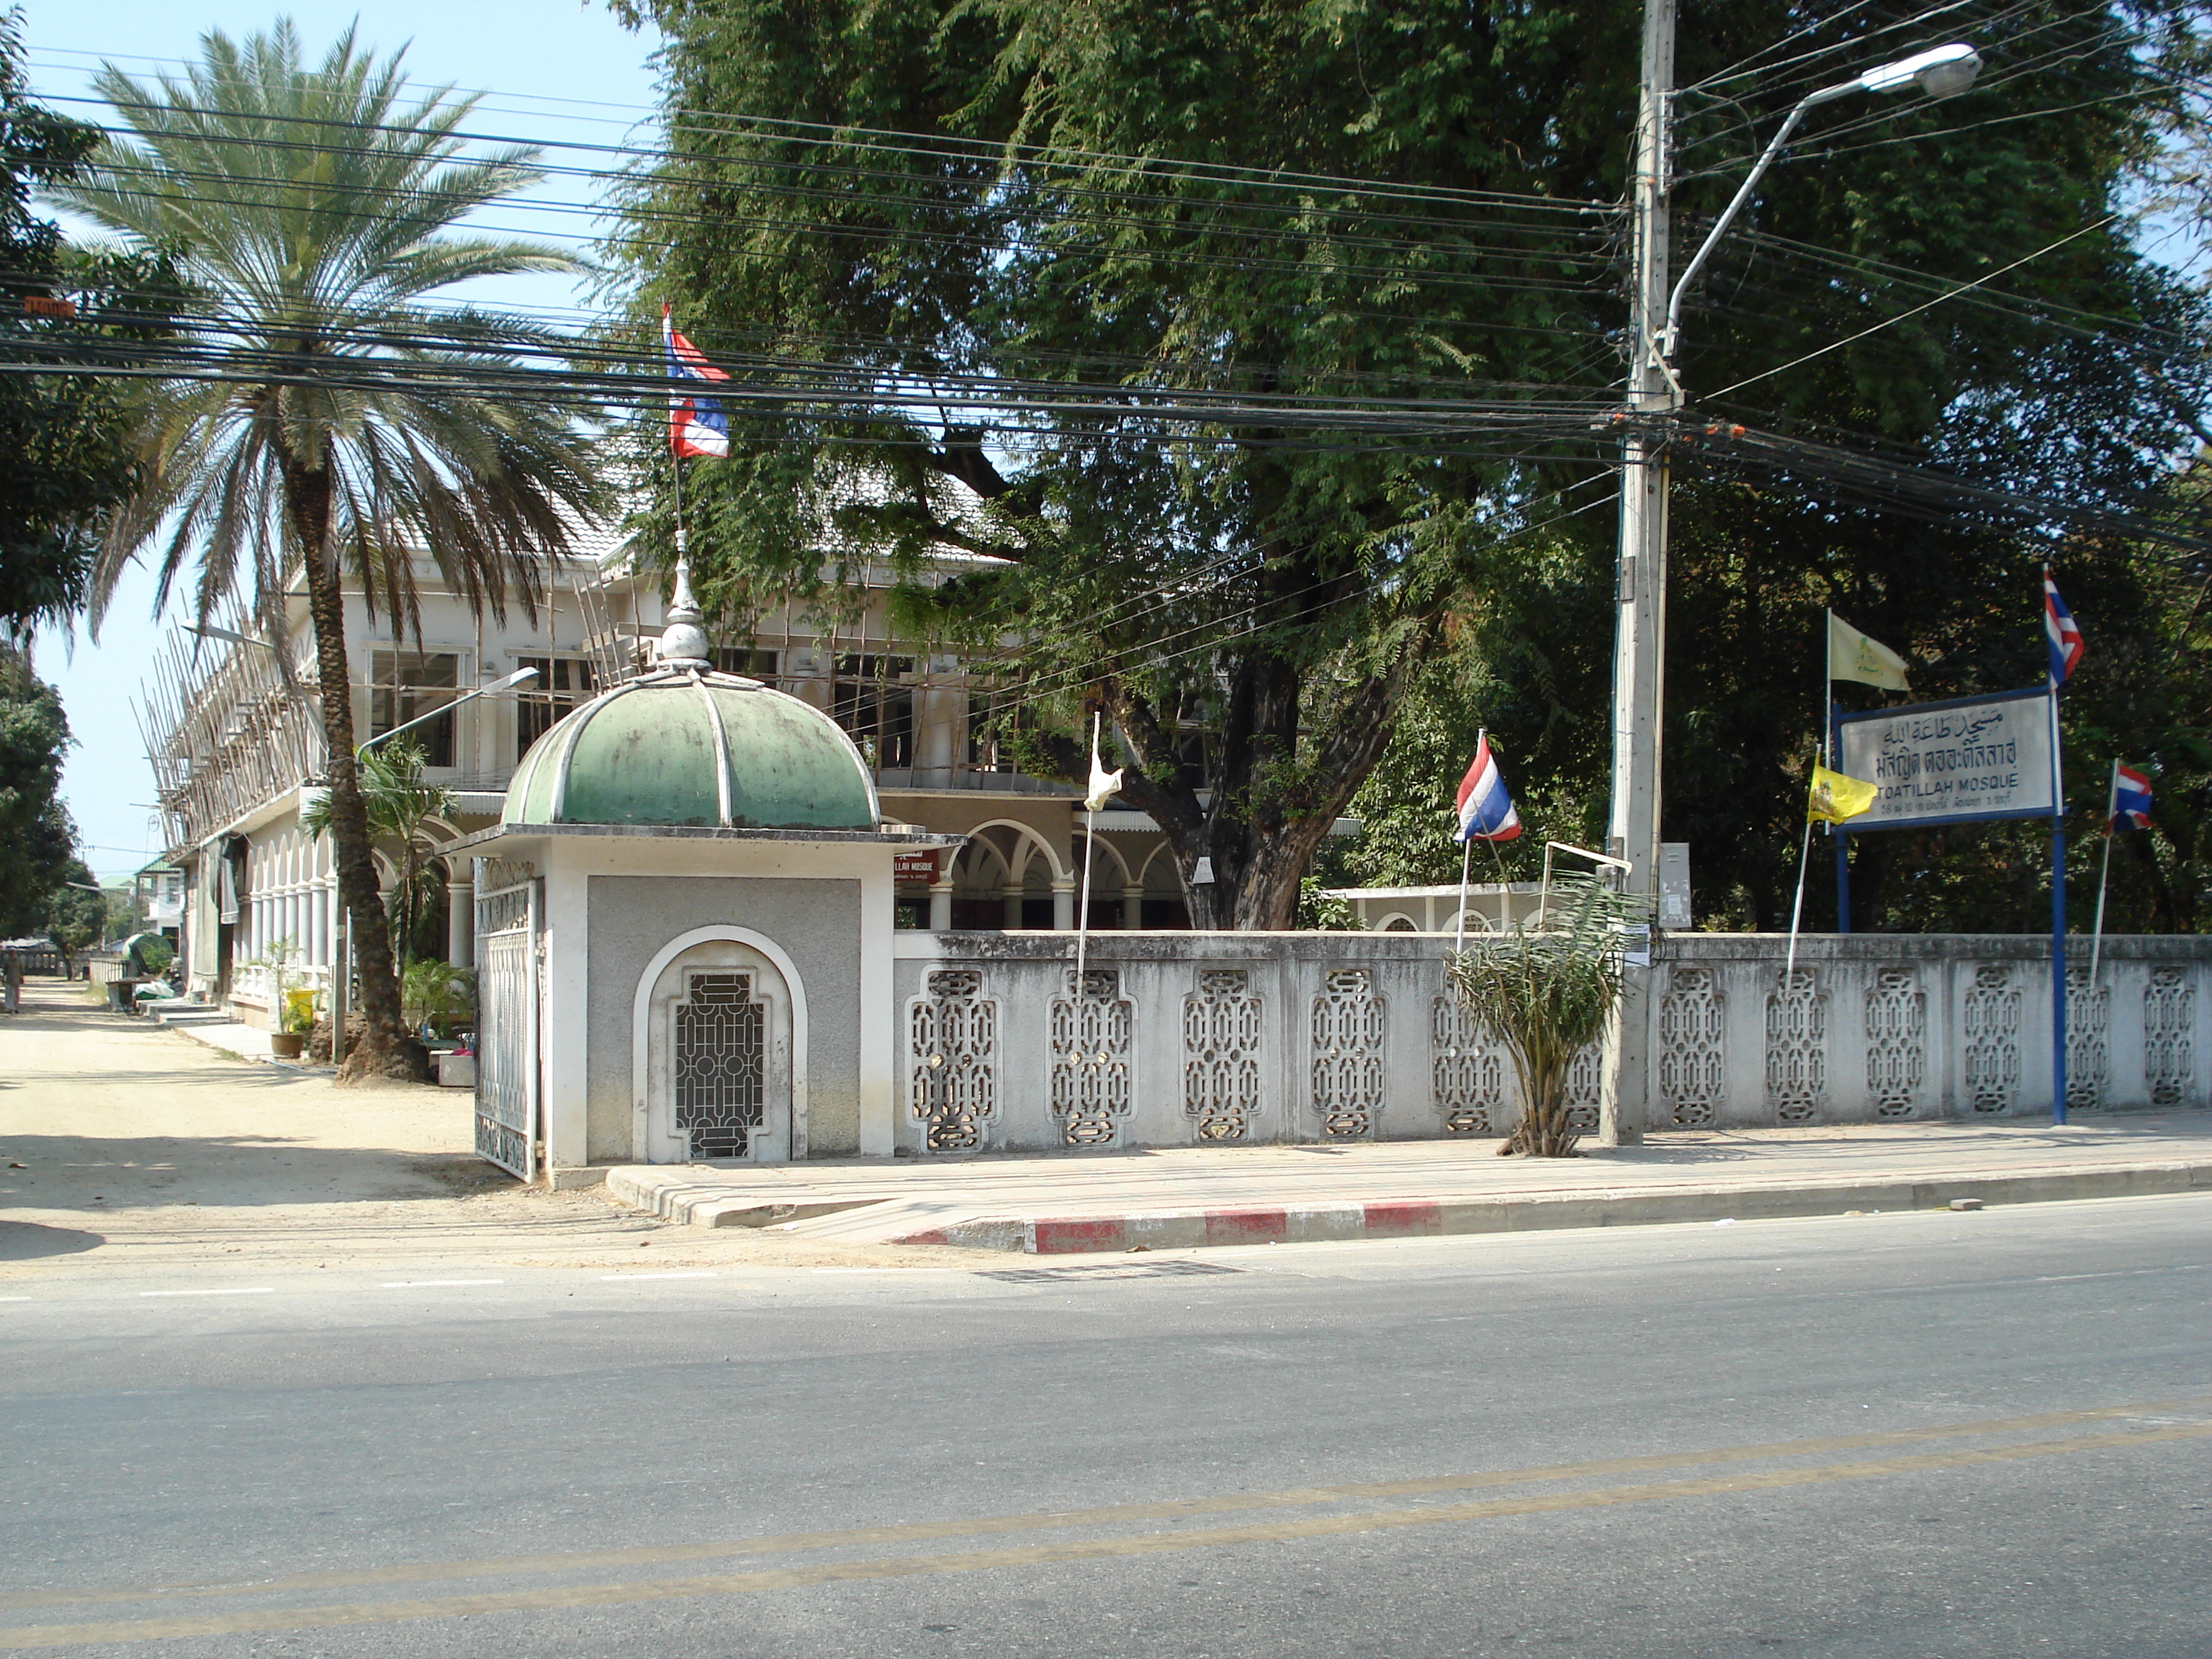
[(1959, 762), (915, 869)]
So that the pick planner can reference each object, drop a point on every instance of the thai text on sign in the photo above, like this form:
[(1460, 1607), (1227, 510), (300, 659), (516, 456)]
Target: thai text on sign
[(1951, 762)]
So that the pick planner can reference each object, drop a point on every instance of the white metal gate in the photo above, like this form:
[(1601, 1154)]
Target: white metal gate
[(507, 1025)]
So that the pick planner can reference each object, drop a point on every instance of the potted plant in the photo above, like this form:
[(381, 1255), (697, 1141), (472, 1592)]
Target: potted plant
[(296, 1018), (284, 1042), (1544, 994)]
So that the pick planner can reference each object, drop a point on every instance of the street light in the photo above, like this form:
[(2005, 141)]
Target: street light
[(209, 631), (506, 685), (1640, 599), (1942, 72)]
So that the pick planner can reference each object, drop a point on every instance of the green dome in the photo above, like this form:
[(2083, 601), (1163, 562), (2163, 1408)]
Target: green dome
[(681, 747)]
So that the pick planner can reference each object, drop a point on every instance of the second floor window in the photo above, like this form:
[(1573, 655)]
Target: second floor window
[(404, 686), (876, 711), (993, 721), (749, 662), (563, 683)]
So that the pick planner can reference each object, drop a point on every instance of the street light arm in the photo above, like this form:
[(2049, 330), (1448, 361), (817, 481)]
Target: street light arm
[(1943, 72), (1743, 194), (508, 684)]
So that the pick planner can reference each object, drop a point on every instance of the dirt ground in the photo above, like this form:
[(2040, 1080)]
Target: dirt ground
[(124, 1146)]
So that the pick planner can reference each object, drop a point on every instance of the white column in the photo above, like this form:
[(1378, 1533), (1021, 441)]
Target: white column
[(1063, 905), (940, 906), (461, 922), (936, 725), (1132, 906), (1013, 898)]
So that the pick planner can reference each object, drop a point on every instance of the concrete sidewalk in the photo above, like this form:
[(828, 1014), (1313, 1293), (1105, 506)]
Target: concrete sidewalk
[(225, 1033), (1193, 1196)]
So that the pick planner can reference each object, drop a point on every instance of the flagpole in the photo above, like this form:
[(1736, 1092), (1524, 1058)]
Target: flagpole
[(1829, 685), (676, 469), (675, 452), (1089, 834), (1459, 924), (1797, 905), (1466, 863), (2057, 882), (1832, 740), (2111, 811)]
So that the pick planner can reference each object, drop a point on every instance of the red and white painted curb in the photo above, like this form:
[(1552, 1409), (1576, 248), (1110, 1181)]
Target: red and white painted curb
[(1415, 1218), (1173, 1230)]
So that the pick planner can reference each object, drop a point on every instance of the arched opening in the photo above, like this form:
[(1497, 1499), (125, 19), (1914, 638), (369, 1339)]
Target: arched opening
[(1109, 880), (1003, 878), (1163, 904)]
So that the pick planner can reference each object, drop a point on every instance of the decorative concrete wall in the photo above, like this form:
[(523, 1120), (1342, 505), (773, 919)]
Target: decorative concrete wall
[(1187, 1037)]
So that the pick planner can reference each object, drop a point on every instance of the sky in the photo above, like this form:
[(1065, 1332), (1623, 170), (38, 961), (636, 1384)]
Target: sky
[(555, 72)]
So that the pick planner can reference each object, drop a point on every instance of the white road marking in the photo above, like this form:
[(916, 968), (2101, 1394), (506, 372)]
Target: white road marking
[(255, 1290), (428, 1284), (14, 1298), (703, 1273)]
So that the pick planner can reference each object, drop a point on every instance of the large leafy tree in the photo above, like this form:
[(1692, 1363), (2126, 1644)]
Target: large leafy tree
[(1110, 202), (1245, 581), (341, 426), (63, 453), (37, 841)]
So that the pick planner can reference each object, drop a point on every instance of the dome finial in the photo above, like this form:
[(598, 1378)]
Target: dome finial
[(682, 640)]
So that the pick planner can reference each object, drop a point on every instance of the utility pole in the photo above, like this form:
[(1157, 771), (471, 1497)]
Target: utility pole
[(1640, 639)]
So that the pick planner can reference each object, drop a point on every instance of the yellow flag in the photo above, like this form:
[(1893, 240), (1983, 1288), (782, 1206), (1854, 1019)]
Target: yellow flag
[(1835, 796), (1853, 656)]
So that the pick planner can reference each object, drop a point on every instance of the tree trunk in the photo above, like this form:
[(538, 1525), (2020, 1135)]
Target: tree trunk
[(1545, 1130), (2165, 915), (1272, 806), (384, 1049)]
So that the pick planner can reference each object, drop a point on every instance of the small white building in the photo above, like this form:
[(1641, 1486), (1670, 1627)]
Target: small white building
[(683, 931)]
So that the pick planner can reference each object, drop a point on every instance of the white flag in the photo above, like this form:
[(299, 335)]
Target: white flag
[(1853, 656), (1105, 785)]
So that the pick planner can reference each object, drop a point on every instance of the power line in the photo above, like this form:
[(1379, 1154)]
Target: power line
[(1889, 322)]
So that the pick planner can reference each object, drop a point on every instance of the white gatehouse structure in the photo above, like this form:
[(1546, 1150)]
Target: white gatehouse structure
[(683, 931)]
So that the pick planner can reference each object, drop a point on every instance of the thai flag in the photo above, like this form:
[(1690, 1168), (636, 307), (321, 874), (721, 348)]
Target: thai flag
[(2130, 799), (696, 426), (2065, 636), (1485, 811)]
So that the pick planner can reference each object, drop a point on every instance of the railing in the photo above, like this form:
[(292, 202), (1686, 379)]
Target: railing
[(1188, 1037), (254, 984), (971, 778)]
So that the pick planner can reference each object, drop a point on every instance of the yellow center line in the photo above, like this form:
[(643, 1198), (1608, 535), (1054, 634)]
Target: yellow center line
[(1168, 1509), (799, 1577)]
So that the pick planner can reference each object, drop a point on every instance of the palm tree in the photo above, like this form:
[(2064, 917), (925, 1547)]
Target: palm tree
[(322, 418), (1545, 995)]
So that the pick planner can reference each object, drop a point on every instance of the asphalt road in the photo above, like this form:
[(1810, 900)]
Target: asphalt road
[(1929, 1434)]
